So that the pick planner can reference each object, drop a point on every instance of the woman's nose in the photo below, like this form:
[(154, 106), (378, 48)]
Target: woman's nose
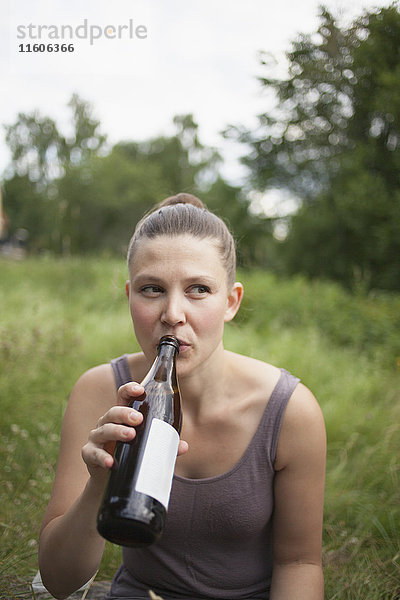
[(173, 311)]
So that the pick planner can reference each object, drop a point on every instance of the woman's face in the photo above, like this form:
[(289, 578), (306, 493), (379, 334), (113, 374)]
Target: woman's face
[(178, 285)]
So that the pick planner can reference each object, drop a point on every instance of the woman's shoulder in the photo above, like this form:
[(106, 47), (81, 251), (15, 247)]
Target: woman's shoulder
[(98, 378), (103, 375), (99, 381), (261, 378), (252, 378), (303, 409), (303, 427), (253, 369), (96, 385), (92, 395)]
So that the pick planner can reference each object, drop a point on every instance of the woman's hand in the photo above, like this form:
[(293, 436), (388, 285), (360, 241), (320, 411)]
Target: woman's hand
[(117, 424)]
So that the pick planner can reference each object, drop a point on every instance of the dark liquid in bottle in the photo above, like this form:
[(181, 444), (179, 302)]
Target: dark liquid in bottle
[(129, 513)]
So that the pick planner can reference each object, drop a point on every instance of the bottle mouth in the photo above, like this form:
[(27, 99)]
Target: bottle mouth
[(171, 340)]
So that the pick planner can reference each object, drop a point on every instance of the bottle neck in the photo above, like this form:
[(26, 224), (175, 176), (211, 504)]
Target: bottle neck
[(163, 368)]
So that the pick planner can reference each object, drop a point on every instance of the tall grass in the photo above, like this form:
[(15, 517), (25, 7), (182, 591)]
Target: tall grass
[(58, 318)]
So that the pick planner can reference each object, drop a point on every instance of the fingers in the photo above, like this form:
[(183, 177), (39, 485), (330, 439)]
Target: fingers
[(111, 432), (121, 415), (117, 424), (96, 457), (129, 392)]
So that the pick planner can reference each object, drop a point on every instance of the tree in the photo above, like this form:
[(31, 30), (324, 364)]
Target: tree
[(29, 209), (252, 232), (105, 196), (96, 200), (87, 140), (185, 163), (41, 152), (36, 147), (333, 142), (40, 156)]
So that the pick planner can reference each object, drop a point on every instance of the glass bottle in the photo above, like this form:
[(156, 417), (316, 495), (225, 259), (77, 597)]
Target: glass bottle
[(136, 497)]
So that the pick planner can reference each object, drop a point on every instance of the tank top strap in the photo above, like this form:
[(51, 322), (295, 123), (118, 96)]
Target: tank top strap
[(121, 370), (275, 410)]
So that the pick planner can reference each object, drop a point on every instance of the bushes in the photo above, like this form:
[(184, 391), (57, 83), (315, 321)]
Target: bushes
[(369, 324)]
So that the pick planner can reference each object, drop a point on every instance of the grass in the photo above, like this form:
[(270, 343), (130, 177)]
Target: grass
[(60, 317)]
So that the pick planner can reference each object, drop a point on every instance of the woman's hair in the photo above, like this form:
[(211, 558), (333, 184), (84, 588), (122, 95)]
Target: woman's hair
[(186, 214)]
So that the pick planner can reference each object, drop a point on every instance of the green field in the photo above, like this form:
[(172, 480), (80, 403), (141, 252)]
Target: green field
[(60, 317)]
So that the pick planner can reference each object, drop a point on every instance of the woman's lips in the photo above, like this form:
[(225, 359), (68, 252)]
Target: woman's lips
[(183, 346)]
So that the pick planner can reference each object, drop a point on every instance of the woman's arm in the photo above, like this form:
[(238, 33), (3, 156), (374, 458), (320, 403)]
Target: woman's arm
[(70, 549), (299, 496)]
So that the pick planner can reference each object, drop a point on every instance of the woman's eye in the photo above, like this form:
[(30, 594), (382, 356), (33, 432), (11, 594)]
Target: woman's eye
[(199, 290), (151, 290)]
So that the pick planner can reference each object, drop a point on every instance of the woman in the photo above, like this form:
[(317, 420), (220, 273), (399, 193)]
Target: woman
[(245, 514)]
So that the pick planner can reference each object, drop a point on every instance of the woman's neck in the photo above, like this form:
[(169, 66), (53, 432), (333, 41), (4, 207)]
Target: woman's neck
[(206, 386)]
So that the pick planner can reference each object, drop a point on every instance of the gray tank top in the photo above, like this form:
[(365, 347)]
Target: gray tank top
[(217, 539)]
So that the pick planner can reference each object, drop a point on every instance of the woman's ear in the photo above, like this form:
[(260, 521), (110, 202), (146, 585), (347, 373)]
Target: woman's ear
[(233, 303), (127, 288)]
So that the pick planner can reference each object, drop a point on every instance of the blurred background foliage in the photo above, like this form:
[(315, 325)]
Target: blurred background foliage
[(330, 140)]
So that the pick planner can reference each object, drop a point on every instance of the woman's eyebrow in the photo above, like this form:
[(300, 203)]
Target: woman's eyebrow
[(199, 278), (144, 277)]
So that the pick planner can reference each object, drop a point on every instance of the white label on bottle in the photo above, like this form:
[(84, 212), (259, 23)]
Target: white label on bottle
[(157, 468)]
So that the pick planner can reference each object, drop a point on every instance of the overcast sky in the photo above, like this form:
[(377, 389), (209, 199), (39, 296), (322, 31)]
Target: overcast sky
[(188, 56)]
